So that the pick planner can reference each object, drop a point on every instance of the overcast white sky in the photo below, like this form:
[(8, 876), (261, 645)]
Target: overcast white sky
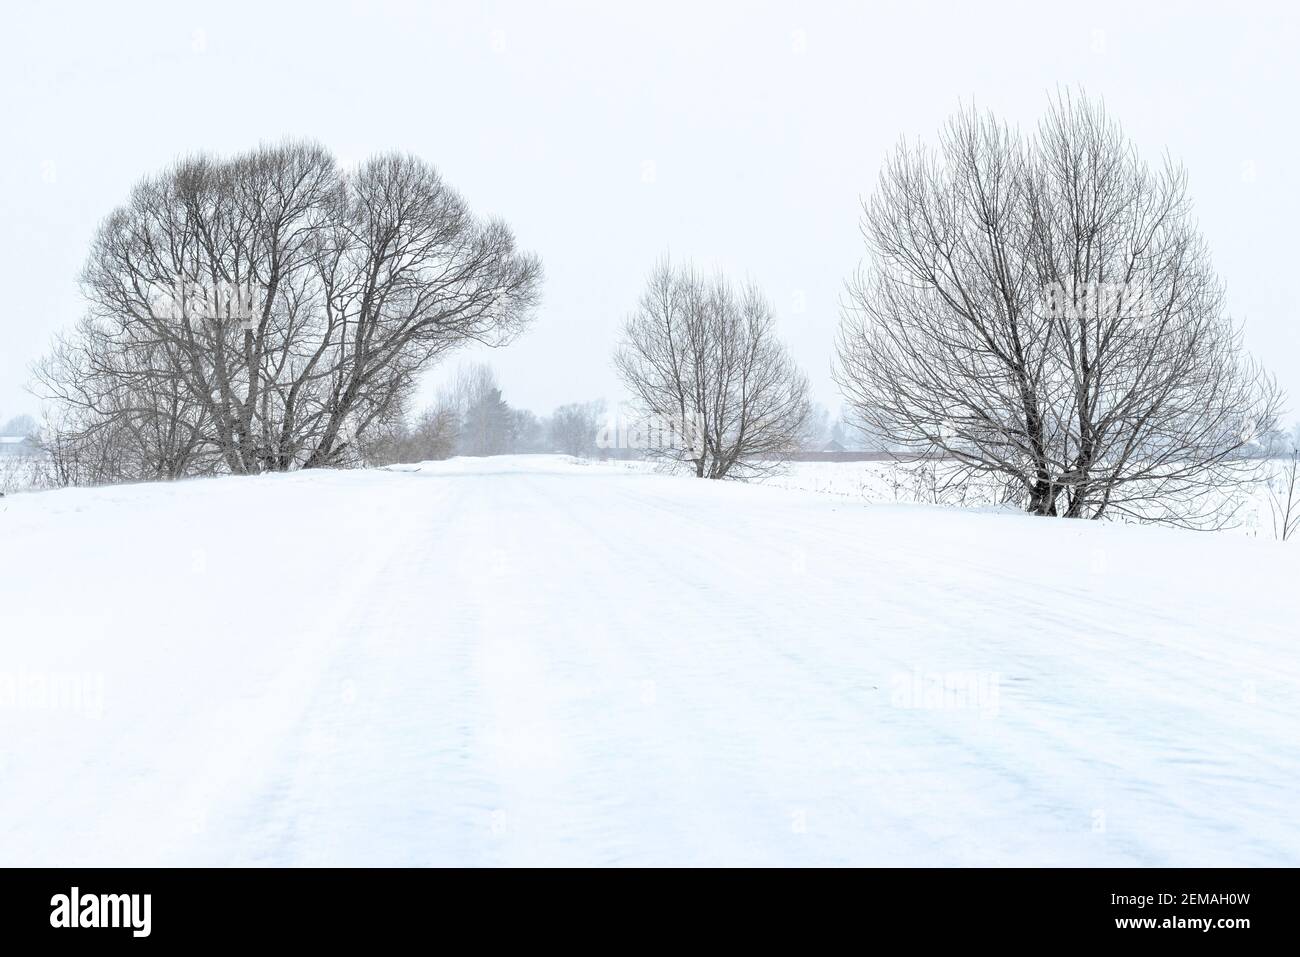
[(740, 135)]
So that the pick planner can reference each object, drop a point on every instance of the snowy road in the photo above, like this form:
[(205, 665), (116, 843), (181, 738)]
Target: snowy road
[(523, 661)]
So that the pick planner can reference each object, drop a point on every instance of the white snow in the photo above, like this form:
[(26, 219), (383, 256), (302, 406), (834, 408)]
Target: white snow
[(530, 661), (1243, 510)]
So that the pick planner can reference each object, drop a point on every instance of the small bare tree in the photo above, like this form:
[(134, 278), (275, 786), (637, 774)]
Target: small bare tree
[(704, 364), (1046, 311), (112, 417), (573, 427)]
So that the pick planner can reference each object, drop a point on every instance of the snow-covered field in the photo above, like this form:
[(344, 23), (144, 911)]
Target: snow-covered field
[(529, 661), (1242, 511)]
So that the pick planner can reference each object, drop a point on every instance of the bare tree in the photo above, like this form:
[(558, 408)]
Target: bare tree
[(573, 427), (485, 419), (413, 276), (112, 418), (1046, 311), (528, 433), (703, 362), (816, 430), (1284, 497), (429, 436), (284, 306)]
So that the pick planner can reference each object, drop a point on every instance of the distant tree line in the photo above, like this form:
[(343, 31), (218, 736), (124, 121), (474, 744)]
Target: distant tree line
[(471, 416)]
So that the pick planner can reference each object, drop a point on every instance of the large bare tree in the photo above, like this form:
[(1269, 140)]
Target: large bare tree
[(720, 391), (285, 305), (1045, 309)]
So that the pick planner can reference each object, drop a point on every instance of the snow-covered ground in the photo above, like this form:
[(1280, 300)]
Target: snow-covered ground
[(529, 661), (1243, 511)]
